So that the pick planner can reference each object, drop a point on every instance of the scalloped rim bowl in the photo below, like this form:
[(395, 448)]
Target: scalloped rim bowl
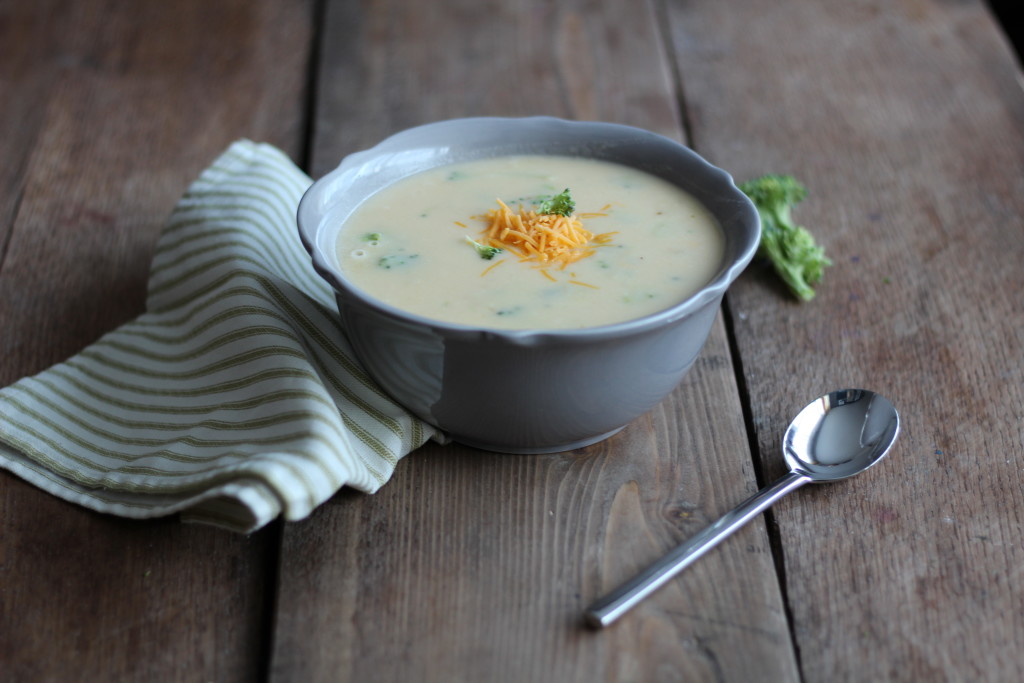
[(524, 391)]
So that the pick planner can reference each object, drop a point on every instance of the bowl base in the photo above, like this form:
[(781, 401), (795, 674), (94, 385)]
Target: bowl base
[(535, 450)]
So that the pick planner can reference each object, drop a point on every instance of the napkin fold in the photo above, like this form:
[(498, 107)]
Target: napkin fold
[(235, 397)]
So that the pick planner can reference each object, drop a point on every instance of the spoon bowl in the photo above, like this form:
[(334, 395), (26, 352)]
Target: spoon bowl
[(834, 437), (840, 434)]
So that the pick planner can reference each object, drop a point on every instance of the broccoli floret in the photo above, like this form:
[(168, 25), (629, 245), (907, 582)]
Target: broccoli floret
[(486, 252), (561, 204), (790, 247)]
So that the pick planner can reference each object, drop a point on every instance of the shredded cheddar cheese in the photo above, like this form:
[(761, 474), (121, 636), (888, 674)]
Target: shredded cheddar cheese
[(491, 267), (548, 239)]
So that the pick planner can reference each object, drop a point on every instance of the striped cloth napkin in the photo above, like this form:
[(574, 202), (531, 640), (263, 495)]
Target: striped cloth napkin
[(235, 397)]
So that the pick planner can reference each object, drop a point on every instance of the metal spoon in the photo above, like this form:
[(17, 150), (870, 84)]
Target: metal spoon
[(837, 436)]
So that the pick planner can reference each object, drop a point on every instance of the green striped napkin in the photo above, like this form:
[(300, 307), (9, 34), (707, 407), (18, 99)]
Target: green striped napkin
[(235, 397)]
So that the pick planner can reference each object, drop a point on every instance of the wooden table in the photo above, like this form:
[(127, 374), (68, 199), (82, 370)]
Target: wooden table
[(904, 118)]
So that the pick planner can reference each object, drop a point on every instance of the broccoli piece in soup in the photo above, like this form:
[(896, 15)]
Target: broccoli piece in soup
[(561, 204), (396, 260), (486, 252)]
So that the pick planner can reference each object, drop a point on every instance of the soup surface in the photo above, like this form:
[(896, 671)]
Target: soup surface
[(653, 244)]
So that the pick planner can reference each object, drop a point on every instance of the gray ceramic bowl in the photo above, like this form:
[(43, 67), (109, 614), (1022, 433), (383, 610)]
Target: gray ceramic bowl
[(525, 391)]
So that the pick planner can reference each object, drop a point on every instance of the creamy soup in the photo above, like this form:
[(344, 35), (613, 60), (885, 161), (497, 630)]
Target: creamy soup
[(422, 244)]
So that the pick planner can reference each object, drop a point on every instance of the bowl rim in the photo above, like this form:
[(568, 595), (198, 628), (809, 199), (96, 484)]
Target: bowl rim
[(309, 227)]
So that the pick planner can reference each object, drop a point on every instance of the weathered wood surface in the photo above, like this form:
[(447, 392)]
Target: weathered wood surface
[(906, 119), (108, 111)]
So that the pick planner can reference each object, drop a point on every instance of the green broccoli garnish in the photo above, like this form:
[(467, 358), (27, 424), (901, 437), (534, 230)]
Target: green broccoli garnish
[(790, 247), (486, 252), (396, 260), (561, 204)]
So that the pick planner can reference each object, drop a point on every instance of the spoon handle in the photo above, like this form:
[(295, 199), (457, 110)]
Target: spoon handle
[(615, 604)]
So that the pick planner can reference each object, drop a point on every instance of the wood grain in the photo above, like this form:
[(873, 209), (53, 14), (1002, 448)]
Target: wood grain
[(388, 66), (475, 566), (109, 110), (907, 123)]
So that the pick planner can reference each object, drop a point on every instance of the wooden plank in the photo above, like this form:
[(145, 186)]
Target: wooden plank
[(475, 566), (388, 67), (110, 110), (907, 123), (25, 75)]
